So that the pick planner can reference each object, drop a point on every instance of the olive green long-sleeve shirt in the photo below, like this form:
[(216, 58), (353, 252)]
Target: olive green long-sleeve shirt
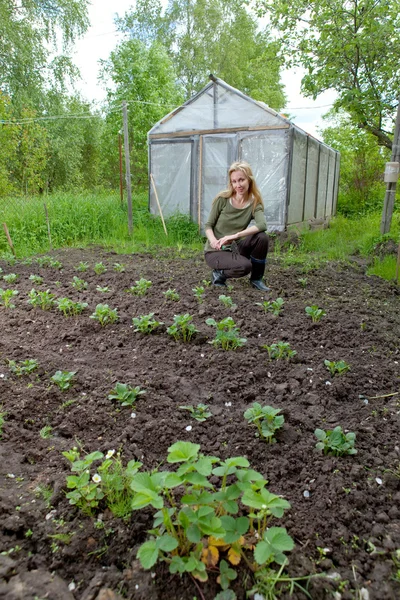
[(224, 219)]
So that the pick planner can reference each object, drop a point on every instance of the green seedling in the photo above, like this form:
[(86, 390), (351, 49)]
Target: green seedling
[(267, 420), (79, 284), (36, 279), (199, 412), (82, 267), (48, 261), (119, 267), (280, 350), (44, 300), (172, 295), (2, 421), (227, 301), (6, 296), (227, 335), (335, 441), (105, 315), (141, 287), (303, 281), (206, 283), (46, 432), (69, 307), (199, 292), (182, 328), (63, 379), (337, 367), (99, 268), (315, 313), (10, 278), (146, 323), (23, 367), (273, 306), (102, 289), (126, 394)]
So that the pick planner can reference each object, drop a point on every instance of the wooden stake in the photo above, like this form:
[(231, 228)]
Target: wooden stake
[(127, 168), (48, 225), (9, 239), (158, 202), (398, 265)]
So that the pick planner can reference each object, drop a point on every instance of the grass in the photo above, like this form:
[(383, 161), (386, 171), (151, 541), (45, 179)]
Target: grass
[(385, 267)]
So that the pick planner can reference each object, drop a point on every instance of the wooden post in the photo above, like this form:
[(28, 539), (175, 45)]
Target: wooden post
[(158, 202), (9, 240), (121, 187), (127, 168), (48, 225), (390, 195)]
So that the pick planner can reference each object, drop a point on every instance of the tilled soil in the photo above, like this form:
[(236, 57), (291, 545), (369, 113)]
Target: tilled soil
[(344, 514)]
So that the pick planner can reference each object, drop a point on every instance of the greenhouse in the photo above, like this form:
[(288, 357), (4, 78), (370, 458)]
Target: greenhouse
[(191, 149)]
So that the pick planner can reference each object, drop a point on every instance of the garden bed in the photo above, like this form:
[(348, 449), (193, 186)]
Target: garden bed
[(344, 516)]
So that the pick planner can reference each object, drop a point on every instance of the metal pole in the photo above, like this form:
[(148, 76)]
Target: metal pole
[(121, 186), (390, 195), (127, 168)]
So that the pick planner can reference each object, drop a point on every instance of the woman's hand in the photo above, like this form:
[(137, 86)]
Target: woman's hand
[(226, 240)]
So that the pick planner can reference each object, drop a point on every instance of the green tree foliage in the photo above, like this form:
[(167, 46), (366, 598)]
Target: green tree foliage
[(31, 159), (350, 46), (144, 77), (362, 163), (8, 145), (218, 36)]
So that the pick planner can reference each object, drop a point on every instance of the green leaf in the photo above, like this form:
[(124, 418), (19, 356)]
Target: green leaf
[(167, 543), (172, 480), (234, 528), (148, 554), (182, 452)]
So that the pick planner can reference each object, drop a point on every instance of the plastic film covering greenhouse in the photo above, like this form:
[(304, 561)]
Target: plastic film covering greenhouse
[(191, 149)]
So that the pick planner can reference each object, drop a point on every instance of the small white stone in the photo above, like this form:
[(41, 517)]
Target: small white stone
[(365, 400), (189, 428), (202, 355), (2, 375), (71, 586), (379, 481), (153, 575), (306, 494), (328, 383), (228, 403), (10, 475), (309, 369), (136, 587), (133, 415), (310, 380), (50, 515)]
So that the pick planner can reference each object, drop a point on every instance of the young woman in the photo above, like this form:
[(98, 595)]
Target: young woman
[(234, 249)]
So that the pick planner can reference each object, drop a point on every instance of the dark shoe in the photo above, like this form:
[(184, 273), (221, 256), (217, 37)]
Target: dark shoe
[(218, 277), (259, 285)]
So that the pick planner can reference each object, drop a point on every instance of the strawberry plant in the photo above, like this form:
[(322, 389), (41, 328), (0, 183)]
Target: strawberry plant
[(44, 300), (10, 278), (36, 279), (199, 292), (199, 412), (69, 307), (23, 367), (172, 295), (119, 267), (104, 314), (182, 328), (227, 301), (303, 281), (82, 267), (335, 441), (126, 394), (200, 531), (315, 313), (99, 268), (274, 306), (146, 323), (227, 335), (141, 287), (337, 367), (103, 289), (48, 261), (267, 420), (280, 350), (6, 296), (79, 284), (63, 379)]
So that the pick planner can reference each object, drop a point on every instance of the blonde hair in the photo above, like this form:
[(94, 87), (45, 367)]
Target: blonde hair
[(253, 192)]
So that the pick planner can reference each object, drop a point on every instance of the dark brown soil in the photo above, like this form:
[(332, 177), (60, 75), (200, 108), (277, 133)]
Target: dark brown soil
[(351, 507)]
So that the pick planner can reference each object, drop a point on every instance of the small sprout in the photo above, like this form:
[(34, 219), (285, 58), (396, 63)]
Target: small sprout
[(199, 293), (267, 420), (199, 412), (2, 421), (315, 313), (69, 307), (48, 261), (335, 441), (227, 301), (172, 295), (337, 367), (44, 300), (23, 367), (63, 379), (182, 328), (104, 314), (45, 432), (102, 289), (119, 267), (206, 282), (303, 281), (82, 267), (280, 350), (146, 323), (10, 278), (6, 296), (36, 279), (274, 306), (227, 335), (126, 394), (141, 287), (99, 268), (79, 284)]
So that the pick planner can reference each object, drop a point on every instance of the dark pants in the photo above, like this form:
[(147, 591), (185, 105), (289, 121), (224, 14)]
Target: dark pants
[(251, 250)]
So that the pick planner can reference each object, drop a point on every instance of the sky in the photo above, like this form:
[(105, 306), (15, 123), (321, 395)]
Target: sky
[(102, 37)]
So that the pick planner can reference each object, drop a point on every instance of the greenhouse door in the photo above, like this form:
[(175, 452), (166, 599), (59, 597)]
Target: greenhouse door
[(216, 154)]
